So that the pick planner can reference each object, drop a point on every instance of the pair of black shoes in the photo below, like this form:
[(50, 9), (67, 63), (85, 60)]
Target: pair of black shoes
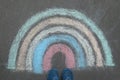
[(66, 74)]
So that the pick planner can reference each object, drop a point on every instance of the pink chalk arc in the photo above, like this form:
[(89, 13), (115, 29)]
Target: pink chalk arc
[(52, 50)]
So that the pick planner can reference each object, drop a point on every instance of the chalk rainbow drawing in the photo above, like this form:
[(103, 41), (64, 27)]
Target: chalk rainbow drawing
[(59, 30)]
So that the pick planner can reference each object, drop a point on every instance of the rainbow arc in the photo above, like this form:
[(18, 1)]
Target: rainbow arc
[(59, 30)]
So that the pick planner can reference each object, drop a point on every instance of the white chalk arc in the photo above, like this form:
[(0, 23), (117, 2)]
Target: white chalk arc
[(85, 44)]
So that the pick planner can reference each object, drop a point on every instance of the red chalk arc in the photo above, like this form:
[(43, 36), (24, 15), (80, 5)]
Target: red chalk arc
[(52, 50)]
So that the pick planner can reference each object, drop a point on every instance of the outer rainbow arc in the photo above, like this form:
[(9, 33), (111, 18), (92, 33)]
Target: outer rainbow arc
[(63, 12)]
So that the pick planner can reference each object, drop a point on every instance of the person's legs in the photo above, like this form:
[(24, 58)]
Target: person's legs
[(67, 74), (53, 75)]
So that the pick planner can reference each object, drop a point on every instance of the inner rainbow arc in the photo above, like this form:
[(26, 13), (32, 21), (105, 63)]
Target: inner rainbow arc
[(52, 50)]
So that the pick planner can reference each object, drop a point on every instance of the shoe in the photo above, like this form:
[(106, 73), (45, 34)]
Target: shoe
[(67, 74), (53, 75)]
